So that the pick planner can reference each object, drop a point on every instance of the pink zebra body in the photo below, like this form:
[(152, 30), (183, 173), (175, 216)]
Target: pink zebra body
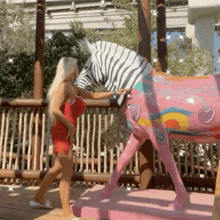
[(161, 107), (186, 107)]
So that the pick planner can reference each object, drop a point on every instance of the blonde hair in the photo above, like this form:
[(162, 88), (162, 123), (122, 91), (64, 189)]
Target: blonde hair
[(65, 67)]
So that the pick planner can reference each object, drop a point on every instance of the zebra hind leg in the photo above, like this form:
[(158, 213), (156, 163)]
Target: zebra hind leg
[(159, 138)]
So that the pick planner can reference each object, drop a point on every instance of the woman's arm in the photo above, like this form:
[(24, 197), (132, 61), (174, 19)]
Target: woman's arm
[(61, 95), (99, 95)]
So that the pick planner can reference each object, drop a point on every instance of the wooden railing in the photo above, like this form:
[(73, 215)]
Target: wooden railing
[(100, 138), (216, 204)]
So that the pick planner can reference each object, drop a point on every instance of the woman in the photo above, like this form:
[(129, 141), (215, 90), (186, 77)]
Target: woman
[(65, 106)]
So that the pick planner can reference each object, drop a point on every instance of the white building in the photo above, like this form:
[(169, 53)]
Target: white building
[(95, 14)]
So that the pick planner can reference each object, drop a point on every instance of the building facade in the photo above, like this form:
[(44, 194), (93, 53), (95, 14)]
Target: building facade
[(101, 14)]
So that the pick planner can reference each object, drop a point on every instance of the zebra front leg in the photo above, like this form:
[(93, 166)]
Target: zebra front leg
[(159, 138), (132, 146)]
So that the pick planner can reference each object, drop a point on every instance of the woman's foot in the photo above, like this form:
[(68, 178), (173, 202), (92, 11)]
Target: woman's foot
[(67, 214), (41, 200), (41, 203), (179, 203)]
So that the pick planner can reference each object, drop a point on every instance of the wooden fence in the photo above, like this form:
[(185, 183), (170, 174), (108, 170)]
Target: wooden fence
[(100, 138)]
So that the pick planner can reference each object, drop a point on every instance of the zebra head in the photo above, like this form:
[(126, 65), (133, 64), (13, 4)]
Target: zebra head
[(112, 66), (91, 75)]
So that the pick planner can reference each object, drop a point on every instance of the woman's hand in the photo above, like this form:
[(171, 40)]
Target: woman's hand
[(121, 91), (71, 132), (101, 95)]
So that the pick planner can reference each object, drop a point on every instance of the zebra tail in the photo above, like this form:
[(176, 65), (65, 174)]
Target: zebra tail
[(88, 46)]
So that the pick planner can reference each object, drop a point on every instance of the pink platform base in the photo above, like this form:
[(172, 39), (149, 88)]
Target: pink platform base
[(141, 205)]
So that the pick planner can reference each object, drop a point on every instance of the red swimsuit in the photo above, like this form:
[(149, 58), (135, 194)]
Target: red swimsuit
[(59, 132)]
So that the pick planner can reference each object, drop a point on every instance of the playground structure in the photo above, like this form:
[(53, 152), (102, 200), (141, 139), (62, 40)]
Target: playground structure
[(36, 162)]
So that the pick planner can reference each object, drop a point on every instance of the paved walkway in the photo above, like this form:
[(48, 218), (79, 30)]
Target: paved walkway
[(14, 203)]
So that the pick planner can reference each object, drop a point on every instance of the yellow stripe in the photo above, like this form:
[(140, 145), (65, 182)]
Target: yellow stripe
[(180, 118), (144, 122)]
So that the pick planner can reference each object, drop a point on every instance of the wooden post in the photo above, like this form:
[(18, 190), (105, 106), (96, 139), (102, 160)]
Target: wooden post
[(216, 205), (39, 50), (38, 78), (144, 29), (161, 65), (144, 49), (161, 36)]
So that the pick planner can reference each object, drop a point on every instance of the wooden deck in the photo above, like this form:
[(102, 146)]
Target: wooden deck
[(14, 203)]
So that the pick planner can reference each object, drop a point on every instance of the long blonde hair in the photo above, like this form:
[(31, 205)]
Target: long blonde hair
[(65, 67)]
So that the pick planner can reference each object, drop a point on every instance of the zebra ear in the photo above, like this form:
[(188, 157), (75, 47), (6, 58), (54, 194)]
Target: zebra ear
[(88, 46)]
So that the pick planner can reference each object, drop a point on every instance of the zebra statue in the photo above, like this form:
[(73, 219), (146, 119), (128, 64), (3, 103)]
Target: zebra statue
[(159, 107)]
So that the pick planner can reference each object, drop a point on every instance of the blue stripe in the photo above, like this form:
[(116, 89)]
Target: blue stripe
[(190, 133), (170, 110), (142, 87), (149, 78)]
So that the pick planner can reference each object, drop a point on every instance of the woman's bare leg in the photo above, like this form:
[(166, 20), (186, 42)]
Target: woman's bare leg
[(47, 181), (65, 182)]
